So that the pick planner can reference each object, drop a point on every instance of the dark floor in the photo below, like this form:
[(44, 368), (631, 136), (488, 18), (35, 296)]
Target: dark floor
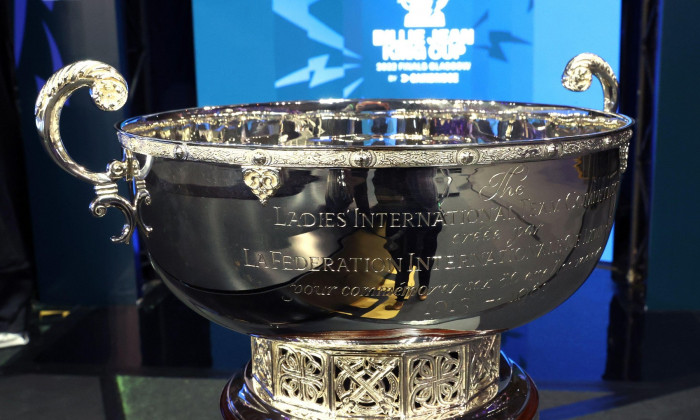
[(158, 360)]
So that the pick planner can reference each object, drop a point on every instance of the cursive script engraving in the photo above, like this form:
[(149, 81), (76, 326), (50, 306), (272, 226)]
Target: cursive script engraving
[(510, 280), (569, 202), (483, 234), (505, 184)]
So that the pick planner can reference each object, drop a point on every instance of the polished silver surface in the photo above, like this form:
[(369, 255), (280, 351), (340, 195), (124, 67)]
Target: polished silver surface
[(374, 134), (332, 227), (514, 397), (579, 73), (109, 92), (390, 379), (465, 249)]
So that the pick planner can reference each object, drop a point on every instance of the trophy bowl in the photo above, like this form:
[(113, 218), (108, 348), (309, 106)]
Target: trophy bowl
[(373, 249)]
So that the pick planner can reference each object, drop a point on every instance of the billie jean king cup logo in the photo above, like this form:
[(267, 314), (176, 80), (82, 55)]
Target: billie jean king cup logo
[(422, 13), (424, 51)]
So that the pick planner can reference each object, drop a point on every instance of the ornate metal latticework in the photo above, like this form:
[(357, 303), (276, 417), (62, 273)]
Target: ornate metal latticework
[(367, 386), (313, 379), (437, 380), (262, 363), (300, 376), (310, 157), (483, 383)]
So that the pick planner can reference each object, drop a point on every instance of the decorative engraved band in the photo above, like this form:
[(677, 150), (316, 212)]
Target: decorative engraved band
[(314, 157), (315, 379)]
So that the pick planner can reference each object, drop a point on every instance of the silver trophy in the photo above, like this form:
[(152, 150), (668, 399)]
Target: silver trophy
[(374, 250)]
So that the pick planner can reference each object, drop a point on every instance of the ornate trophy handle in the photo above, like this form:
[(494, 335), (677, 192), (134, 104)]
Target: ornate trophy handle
[(579, 73), (109, 92)]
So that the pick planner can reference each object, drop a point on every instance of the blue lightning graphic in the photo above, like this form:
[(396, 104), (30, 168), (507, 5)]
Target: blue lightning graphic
[(316, 73), (497, 38), (297, 12), (352, 86)]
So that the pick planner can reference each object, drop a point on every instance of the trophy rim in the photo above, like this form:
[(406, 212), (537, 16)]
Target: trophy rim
[(377, 156)]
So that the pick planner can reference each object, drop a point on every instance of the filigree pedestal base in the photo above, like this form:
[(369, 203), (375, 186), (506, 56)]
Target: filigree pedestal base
[(444, 379)]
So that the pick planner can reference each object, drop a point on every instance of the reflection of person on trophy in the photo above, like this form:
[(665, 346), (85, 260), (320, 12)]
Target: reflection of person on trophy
[(411, 243), (422, 14)]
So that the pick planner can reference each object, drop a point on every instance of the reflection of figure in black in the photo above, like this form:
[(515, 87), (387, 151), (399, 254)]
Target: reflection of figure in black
[(409, 191), (344, 186)]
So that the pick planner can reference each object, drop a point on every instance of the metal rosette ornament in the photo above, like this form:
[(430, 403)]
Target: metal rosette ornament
[(373, 249)]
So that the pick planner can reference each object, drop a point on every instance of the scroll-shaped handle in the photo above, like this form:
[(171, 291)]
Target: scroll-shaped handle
[(109, 92), (579, 73)]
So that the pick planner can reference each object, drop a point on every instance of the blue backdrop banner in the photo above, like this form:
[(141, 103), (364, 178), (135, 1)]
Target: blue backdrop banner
[(511, 50), (507, 50)]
